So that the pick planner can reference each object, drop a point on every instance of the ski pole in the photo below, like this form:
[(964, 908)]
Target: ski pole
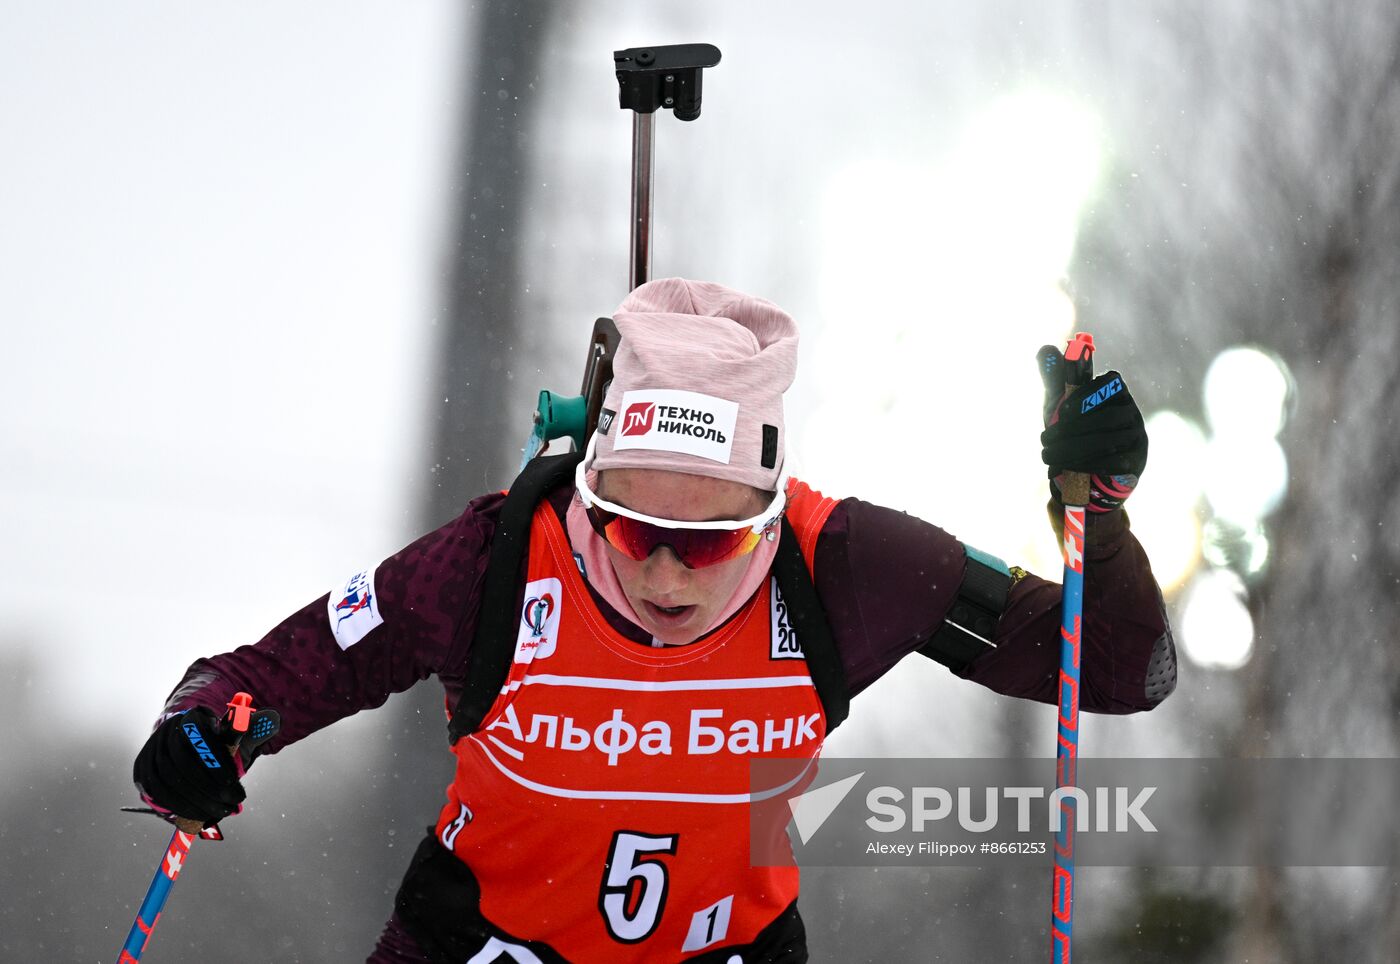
[(235, 724), (1074, 492)]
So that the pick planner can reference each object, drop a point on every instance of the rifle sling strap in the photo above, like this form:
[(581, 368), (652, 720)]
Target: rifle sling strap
[(493, 648)]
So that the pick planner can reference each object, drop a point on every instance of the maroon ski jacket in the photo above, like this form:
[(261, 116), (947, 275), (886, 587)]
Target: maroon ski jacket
[(886, 580)]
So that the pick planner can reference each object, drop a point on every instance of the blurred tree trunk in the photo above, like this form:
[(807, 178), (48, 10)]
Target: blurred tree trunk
[(472, 431), (474, 435)]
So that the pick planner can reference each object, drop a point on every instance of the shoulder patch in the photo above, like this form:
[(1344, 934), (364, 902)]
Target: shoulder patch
[(353, 608)]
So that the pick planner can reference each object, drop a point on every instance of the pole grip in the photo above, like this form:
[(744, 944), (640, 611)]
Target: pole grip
[(1074, 488)]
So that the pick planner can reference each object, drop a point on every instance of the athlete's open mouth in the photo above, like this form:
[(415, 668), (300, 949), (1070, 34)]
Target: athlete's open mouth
[(668, 614)]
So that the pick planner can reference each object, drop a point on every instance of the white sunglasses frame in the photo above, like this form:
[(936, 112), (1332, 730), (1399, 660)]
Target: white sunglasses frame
[(765, 520)]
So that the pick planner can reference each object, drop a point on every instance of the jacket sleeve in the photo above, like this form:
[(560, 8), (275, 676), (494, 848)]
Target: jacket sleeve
[(419, 608), (1127, 654), (888, 581)]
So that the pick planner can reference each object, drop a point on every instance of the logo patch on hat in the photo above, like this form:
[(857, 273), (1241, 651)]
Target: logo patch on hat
[(673, 421)]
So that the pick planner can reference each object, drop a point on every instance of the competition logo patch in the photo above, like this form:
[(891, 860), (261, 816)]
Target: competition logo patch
[(354, 609), (675, 421), (539, 621)]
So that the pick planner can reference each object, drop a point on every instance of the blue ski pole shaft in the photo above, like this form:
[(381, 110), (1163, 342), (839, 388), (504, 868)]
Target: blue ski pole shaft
[(1074, 491), (167, 872)]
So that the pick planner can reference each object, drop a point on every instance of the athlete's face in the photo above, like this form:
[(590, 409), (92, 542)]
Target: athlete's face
[(673, 603)]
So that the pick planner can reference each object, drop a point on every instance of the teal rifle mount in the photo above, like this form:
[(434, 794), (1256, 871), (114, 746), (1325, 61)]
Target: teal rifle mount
[(574, 416)]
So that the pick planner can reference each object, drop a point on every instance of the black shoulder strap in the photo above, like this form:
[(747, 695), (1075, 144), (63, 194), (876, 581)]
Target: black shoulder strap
[(808, 617), (488, 663)]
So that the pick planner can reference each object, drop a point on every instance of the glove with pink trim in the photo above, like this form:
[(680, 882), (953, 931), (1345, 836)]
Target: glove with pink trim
[(1095, 428)]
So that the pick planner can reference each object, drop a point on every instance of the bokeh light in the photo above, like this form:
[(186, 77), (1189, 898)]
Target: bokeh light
[(1227, 545), (1245, 478), (1164, 509), (1206, 496), (1247, 391), (1216, 629)]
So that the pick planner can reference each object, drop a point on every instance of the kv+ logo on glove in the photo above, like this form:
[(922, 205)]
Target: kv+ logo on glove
[(1094, 428)]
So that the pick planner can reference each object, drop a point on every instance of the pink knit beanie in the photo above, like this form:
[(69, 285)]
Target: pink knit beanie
[(698, 383)]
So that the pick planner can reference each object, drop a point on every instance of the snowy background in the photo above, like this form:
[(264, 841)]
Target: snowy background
[(278, 286)]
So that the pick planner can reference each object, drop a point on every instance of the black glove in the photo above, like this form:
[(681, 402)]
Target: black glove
[(1096, 429), (185, 768)]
